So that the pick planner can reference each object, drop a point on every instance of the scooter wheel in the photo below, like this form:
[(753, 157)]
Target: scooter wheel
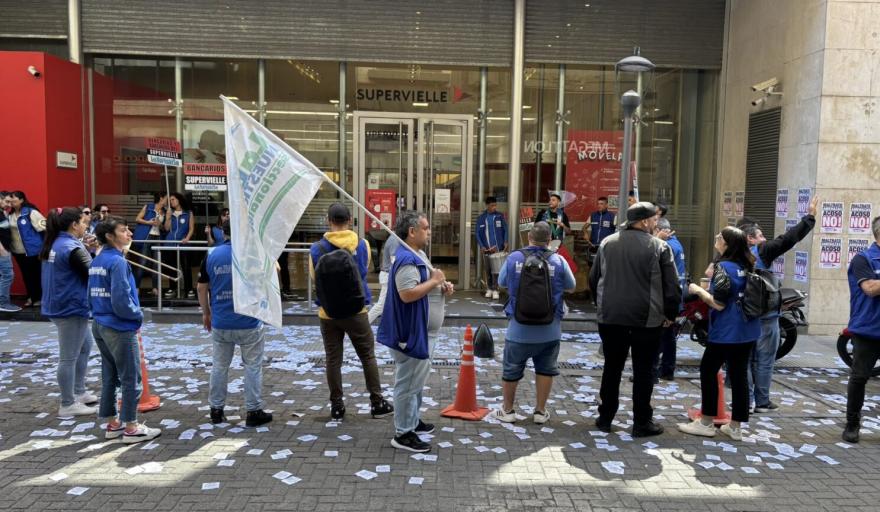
[(787, 337)]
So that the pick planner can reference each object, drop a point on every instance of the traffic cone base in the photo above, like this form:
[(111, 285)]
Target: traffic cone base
[(147, 402), (465, 406), (475, 415), (723, 417)]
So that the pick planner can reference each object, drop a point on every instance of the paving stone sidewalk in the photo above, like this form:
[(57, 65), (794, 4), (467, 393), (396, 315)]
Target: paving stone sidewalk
[(792, 459)]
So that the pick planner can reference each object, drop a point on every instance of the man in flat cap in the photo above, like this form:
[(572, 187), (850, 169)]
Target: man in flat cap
[(637, 291)]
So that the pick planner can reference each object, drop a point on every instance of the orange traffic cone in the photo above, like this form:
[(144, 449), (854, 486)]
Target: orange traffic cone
[(465, 406), (148, 402), (723, 417)]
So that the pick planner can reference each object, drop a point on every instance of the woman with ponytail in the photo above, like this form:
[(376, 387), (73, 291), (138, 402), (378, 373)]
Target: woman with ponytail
[(65, 277)]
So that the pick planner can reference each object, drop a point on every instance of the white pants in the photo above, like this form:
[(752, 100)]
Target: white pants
[(376, 310)]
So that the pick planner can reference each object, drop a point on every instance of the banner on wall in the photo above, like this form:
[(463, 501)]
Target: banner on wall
[(829, 252), (857, 245), (803, 201), (860, 218), (727, 204), (782, 203), (832, 217), (739, 203), (801, 264), (592, 170)]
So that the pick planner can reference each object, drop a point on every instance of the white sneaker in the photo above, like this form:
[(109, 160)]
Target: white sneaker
[(697, 428), (506, 417), (143, 433), (488, 294), (541, 417), (495, 295), (733, 433), (76, 409), (87, 398)]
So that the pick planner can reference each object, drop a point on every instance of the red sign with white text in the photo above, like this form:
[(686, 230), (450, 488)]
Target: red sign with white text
[(592, 170)]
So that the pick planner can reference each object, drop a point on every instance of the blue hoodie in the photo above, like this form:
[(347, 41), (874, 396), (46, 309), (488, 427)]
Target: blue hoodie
[(112, 292)]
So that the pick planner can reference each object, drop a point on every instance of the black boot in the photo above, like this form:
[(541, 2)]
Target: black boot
[(217, 415), (851, 432)]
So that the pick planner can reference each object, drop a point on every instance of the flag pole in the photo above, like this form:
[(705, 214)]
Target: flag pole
[(341, 190)]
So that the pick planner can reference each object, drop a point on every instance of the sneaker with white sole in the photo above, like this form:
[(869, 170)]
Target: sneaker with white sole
[(114, 432), (76, 409), (12, 308), (541, 417), (87, 398), (495, 295), (488, 294), (696, 428), (501, 415), (141, 434), (770, 407), (733, 433)]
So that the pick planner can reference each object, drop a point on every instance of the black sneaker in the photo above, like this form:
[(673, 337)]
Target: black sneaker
[(217, 416), (851, 432), (647, 429), (424, 428), (337, 411), (410, 442), (770, 407), (668, 377), (382, 409), (603, 425), (257, 418)]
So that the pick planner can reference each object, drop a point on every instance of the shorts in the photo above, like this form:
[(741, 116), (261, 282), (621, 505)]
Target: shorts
[(543, 356)]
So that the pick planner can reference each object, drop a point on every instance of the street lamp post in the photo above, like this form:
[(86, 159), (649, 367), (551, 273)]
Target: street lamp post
[(629, 103)]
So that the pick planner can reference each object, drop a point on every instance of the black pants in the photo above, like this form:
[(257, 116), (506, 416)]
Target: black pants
[(285, 272), (618, 340), (737, 357), (866, 351), (31, 268)]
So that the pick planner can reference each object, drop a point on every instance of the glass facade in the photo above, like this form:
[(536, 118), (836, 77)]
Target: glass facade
[(300, 101)]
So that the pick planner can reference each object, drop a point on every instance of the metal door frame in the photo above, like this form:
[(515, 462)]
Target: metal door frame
[(360, 118)]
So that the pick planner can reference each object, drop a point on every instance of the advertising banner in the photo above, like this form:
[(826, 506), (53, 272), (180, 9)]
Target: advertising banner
[(592, 170), (829, 252), (860, 218), (832, 217)]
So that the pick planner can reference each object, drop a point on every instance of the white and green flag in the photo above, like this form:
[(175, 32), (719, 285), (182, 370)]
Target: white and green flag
[(270, 186)]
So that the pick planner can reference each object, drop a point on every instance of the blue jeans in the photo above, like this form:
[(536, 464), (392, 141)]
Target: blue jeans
[(410, 375), (664, 363), (74, 346), (251, 343), (7, 274), (763, 359), (120, 369)]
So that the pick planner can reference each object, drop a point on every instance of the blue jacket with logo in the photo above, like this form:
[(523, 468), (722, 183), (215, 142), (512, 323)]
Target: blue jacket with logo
[(601, 225), (218, 265), (730, 324), (65, 293), (864, 311), (112, 292), (491, 230), (30, 237), (404, 326)]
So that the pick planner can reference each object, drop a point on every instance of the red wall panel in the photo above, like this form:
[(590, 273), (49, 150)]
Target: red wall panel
[(64, 132)]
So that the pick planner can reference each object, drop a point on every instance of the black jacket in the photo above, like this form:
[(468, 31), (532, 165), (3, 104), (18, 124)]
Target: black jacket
[(772, 249), (5, 232)]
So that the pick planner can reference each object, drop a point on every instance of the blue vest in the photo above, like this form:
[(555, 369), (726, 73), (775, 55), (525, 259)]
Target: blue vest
[(514, 271), (223, 315), (142, 231), (65, 293), (601, 225), (179, 226), (361, 256), (114, 304), (730, 324), (30, 237), (491, 230), (219, 237), (404, 327), (864, 311)]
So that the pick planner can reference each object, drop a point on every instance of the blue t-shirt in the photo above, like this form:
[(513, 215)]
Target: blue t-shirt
[(730, 325), (217, 270)]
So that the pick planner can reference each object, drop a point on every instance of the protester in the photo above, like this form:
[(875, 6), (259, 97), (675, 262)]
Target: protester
[(765, 251), (229, 329), (389, 249), (556, 217), (637, 292), (179, 226), (7, 272), (664, 365), (600, 226), (28, 226), (538, 342), (117, 316), (214, 233), (864, 327), (731, 336), (631, 198), (65, 277), (339, 263), (149, 229), (410, 324), (99, 212), (491, 234)]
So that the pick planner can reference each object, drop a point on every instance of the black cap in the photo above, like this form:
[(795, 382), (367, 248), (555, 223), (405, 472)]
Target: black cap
[(338, 213), (640, 211)]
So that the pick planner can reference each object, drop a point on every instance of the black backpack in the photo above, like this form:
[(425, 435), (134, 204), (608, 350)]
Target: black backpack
[(761, 295), (534, 297), (338, 282)]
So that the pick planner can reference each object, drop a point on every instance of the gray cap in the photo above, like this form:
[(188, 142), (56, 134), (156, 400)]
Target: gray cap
[(640, 211)]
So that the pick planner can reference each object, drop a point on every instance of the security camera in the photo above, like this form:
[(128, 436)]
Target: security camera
[(34, 71), (757, 102), (766, 84)]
